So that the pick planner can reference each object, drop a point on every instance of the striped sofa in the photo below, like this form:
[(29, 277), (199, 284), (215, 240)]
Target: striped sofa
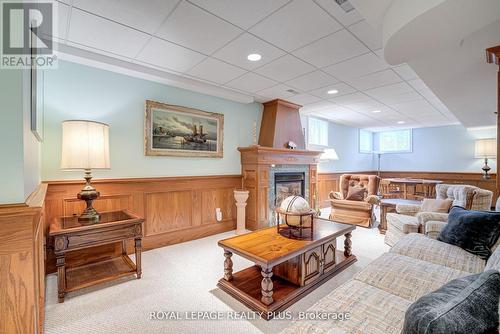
[(378, 296)]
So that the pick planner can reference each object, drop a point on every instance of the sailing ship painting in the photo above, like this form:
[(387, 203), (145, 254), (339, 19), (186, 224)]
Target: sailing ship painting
[(180, 131)]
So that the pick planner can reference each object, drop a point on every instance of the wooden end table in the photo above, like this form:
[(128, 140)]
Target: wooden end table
[(389, 205), (70, 235), (285, 269)]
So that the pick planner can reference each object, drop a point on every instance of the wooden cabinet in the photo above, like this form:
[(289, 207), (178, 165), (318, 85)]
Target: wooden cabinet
[(22, 274)]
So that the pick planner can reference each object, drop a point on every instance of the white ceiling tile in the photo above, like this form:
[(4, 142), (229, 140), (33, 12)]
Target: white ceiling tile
[(331, 49), (168, 55), (367, 34), (276, 92), (315, 106), (356, 67), (303, 99), (311, 81), (143, 15), (334, 9), (341, 87), (284, 68), (196, 29), (351, 98), (373, 80), (99, 33), (236, 52), (415, 108), (251, 82), (242, 13), (399, 88), (295, 25), (61, 21), (216, 71), (418, 84), (406, 72)]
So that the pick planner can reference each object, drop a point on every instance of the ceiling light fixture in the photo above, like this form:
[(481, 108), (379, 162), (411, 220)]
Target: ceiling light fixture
[(401, 122), (376, 111), (332, 91), (254, 57)]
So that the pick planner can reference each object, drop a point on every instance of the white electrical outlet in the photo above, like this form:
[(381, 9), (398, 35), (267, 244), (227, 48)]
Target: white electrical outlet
[(218, 214)]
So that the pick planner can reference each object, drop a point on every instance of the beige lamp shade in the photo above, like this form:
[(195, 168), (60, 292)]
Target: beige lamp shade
[(486, 148), (85, 145), (329, 154)]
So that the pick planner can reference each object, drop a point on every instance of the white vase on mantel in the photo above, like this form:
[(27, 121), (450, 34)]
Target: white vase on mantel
[(241, 196)]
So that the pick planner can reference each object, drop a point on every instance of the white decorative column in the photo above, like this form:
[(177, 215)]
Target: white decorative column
[(241, 196)]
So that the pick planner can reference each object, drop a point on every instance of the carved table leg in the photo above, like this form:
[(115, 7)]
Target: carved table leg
[(61, 276), (267, 286), (138, 250), (228, 266), (348, 244)]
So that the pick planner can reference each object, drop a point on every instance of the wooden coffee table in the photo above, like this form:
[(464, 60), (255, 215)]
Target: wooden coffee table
[(389, 205), (285, 269)]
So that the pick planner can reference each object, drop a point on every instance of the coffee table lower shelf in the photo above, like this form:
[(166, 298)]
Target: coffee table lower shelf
[(245, 286)]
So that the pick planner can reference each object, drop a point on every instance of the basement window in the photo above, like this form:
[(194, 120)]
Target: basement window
[(365, 141), (318, 132), (397, 141)]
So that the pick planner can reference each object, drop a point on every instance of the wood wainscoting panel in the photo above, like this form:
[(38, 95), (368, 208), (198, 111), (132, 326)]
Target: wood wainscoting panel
[(175, 209), (167, 211)]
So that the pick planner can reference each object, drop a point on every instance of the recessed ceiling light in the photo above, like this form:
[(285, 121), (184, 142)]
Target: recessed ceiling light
[(332, 91), (377, 111), (254, 57), (401, 122)]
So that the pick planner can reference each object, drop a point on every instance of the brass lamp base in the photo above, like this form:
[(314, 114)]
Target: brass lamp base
[(486, 169), (89, 194)]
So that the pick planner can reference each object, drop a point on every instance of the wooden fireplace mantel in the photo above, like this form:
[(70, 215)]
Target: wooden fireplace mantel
[(256, 162)]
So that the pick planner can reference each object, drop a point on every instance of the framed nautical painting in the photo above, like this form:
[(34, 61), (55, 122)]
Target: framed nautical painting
[(183, 132)]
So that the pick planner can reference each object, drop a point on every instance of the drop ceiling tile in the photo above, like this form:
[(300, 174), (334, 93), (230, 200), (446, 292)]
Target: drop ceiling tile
[(146, 16), (406, 72), (168, 55), (285, 68), (311, 81), (279, 91), (295, 25), (418, 84), (340, 15), (367, 34), (341, 87), (351, 98), (61, 12), (99, 33), (372, 80), (331, 49), (242, 13), (415, 108), (216, 71), (356, 67), (251, 82), (303, 99), (196, 29), (391, 90), (315, 106), (236, 52)]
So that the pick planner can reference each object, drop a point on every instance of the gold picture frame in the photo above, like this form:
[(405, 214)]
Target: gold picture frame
[(171, 130)]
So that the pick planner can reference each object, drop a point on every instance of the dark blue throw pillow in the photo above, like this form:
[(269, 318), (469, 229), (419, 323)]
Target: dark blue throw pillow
[(466, 305), (475, 231)]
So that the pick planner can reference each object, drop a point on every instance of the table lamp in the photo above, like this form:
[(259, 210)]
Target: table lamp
[(329, 154), (85, 145), (484, 149)]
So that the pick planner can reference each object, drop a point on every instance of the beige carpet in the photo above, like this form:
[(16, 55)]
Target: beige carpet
[(181, 278)]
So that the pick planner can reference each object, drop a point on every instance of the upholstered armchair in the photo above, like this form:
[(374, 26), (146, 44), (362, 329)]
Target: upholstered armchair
[(358, 211), (410, 219)]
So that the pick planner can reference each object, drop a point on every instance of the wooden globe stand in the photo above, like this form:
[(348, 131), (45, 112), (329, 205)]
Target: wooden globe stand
[(288, 230)]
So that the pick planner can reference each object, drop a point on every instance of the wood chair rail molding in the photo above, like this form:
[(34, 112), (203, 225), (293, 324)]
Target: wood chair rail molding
[(493, 57), (22, 267), (330, 181), (175, 209)]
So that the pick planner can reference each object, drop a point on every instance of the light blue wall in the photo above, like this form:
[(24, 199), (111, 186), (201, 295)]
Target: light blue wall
[(440, 149), (75, 91), (344, 139)]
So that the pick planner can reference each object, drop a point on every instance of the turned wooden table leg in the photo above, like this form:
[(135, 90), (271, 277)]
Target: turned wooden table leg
[(61, 276), (348, 244), (228, 266), (267, 286), (138, 251)]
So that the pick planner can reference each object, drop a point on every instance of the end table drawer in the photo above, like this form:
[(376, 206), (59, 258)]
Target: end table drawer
[(96, 237)]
